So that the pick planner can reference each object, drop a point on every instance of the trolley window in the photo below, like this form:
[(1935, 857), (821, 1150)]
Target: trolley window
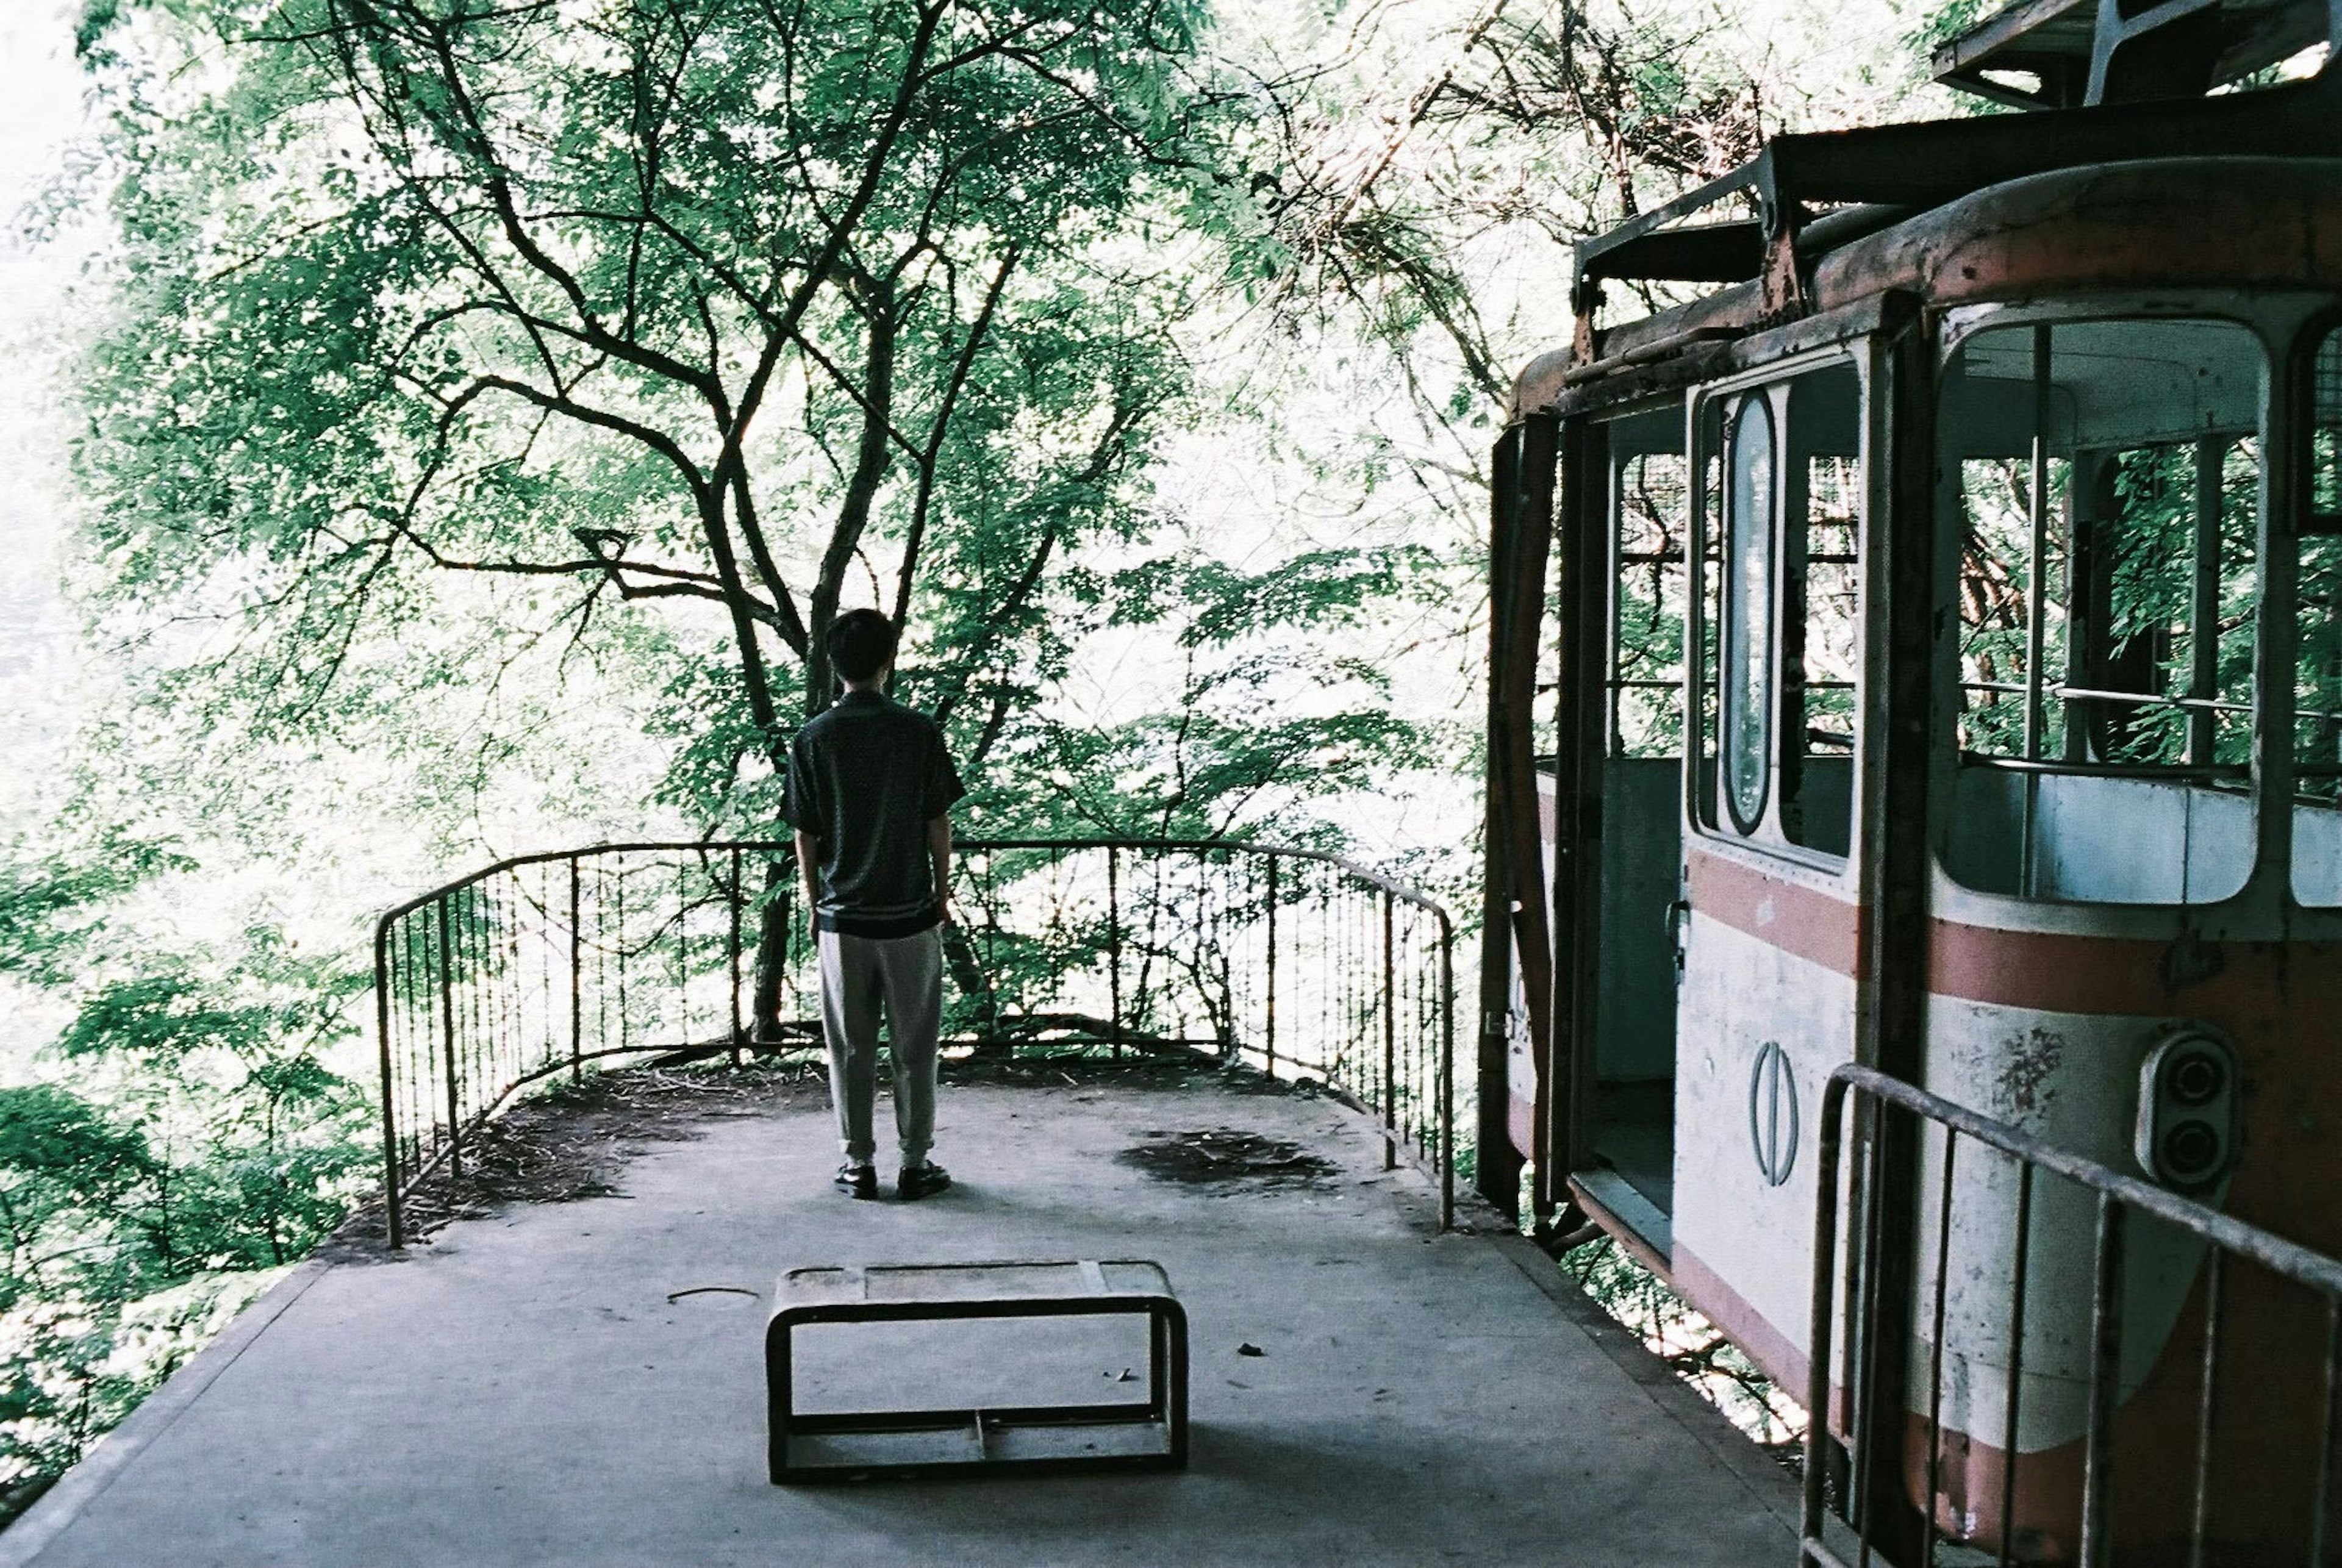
[(2317, 682), (1782, 482), (2102, 480), (1747, 689), (1650, 511)]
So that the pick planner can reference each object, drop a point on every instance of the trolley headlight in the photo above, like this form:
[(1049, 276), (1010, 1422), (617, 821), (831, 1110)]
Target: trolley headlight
[(2187, 1134)]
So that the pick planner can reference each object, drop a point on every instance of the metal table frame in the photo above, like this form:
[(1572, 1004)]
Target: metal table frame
[(1052, 1437)]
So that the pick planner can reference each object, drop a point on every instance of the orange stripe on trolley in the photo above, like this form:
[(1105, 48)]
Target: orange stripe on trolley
[(2059, 972), (1797, 919)]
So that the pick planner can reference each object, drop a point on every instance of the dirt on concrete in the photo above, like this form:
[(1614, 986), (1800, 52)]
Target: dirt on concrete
[(569, 1141), (1214, 1156)]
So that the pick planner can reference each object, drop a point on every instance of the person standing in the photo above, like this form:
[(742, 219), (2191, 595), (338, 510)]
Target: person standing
[(869, 790)]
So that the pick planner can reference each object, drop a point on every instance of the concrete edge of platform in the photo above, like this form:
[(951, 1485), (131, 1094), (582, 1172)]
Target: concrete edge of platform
[(23, 1542), (1773, 1488)]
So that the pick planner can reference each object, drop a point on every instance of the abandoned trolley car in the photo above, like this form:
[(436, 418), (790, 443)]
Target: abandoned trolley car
[(1942, 610)]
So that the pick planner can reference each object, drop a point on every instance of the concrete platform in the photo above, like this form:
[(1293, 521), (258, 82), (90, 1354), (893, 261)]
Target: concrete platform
[(524, 1391)]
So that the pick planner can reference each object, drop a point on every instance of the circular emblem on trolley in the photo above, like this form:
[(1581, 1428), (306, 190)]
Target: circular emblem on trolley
[(1773, 1113)]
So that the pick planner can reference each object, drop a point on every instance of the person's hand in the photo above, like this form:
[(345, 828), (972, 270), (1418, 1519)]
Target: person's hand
[(950, 909)]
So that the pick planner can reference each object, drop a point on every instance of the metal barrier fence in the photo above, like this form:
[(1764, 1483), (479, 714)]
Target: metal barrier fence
[(1295, 962), (2231, 1291)]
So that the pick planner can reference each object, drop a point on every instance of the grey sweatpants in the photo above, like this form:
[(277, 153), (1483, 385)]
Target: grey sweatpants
[(907, 973)]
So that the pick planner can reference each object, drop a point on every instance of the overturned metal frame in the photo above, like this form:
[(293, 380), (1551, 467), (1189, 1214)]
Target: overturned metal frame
[(1152, 1430)]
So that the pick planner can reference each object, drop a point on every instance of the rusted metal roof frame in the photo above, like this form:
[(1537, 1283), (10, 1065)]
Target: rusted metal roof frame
[(2021, 38), (2070, 47), (1931, 162)]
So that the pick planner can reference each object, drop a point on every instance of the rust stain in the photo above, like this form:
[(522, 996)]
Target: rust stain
[(2028, 1070)]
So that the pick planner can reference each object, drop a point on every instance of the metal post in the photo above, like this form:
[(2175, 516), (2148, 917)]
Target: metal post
[(576, 977), (2204, 608), (447, 1038), (1113, 941), (2098, 1549), (1271, 1020), (2021, 1267), (2320, 1512), (2036, 596), (1447, 1075), (619, 909), (1862, 1427), (1935, 1349), (1390, 1044), (732, 901), (2214, 1289), (1822, 1292), (390, 1181)]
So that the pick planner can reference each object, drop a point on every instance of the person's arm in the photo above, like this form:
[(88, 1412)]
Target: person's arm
[(810, 865), (939, 853)]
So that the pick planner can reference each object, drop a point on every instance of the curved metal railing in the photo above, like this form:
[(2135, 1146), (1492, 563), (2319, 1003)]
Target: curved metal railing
[(1988, 1210), (1295, 962)]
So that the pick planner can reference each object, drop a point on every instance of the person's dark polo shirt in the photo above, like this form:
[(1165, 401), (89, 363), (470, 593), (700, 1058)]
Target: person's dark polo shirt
[(864, 780)]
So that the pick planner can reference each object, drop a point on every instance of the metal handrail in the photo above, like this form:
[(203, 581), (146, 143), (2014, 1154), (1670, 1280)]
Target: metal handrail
[(463, 1025), (2120, 1196)]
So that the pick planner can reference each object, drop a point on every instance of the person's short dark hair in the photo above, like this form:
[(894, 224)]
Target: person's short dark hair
[(860, 643)]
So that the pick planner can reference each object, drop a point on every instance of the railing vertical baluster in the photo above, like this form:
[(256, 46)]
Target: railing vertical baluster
[(2216, 1280), (1447, 1073), (448, 1023), (1113, 944), (1390, 1042), (1220, 907), (577, 979), (1269, 1020), (499, 986), (2021, 1268), (2321, 1498), (1862, 1427), (682, 952), (507, 979), (1821, 1327), (416, 937), (2105, 1387), (487, 1017), (382, 982), (479, 1032), (545, 920), (1936, 1353), (732, 898), (619, 914), (991, 949)]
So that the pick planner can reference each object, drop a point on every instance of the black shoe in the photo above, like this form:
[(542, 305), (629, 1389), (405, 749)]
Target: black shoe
[(924, 1180), (856, 1181)]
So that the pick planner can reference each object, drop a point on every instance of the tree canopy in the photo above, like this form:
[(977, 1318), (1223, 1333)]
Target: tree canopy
[(481, 408)]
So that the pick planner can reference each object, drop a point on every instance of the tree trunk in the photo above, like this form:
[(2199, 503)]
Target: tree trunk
[(975, 983), (772, 953)]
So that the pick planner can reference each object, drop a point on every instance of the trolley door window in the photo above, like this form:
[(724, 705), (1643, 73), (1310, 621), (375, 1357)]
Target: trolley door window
[(2103, 479), (1650, 510), (1782, 601), (1747, 685), (2317, 683)]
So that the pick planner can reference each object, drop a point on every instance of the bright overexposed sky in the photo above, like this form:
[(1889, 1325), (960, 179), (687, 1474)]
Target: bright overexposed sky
[(40, 118), (40, 91)]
